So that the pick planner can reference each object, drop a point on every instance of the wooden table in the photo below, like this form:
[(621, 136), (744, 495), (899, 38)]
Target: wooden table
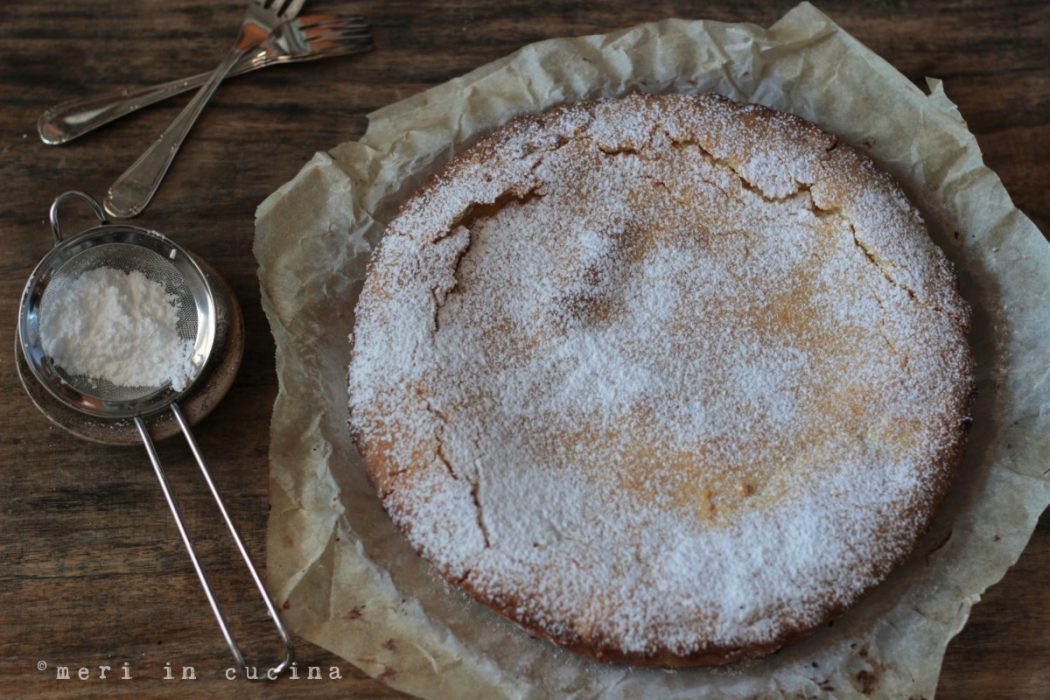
[(91, 569)]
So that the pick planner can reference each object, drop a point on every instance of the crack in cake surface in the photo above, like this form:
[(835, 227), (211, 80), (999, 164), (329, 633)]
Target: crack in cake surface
[(523, 194)]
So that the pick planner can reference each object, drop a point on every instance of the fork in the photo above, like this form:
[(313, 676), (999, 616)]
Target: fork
[(302, 39), (133, 190)]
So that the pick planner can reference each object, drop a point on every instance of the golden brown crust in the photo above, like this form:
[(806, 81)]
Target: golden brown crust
[(423, 413)]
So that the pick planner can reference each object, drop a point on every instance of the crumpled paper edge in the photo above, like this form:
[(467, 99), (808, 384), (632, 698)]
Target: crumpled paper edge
[(311, 546)]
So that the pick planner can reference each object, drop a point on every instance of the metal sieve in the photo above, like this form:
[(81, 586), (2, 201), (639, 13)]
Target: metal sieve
[(161, 260)]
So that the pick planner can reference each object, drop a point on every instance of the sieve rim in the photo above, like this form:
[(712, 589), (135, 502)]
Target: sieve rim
[(64, 251)]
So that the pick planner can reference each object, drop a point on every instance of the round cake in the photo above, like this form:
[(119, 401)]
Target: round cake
[(667, 380)]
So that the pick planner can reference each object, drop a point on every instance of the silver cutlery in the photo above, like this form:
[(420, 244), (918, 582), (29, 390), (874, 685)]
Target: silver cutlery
[(303, 39), (133, 190)]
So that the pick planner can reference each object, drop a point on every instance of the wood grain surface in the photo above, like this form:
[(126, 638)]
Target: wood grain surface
[(91, 569)]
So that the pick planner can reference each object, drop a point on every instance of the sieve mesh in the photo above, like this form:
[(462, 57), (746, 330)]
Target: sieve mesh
[(126, 258)]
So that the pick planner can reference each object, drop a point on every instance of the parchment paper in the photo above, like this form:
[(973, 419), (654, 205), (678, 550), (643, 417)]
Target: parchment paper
[(349, 582)]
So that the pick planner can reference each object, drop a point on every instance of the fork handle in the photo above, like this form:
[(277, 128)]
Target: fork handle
[(74, 118), (133, 190)]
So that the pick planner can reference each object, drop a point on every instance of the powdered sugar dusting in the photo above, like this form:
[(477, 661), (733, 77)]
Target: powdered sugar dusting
[(660, 375)]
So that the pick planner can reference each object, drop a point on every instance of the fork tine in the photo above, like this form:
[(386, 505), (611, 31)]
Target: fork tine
[(321, 32), (287, 9), (338, 28), (336, 23), (314, 20), (323, 39), (339, 37)]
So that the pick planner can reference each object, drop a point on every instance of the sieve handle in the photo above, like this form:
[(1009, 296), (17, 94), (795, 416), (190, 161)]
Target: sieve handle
[(53, 213), (286, 638)]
